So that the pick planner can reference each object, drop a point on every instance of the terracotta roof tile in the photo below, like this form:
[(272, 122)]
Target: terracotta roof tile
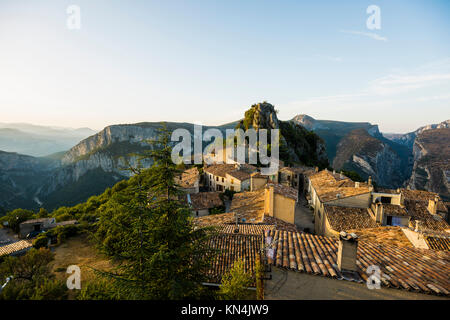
[(393, 209), (345, 218), (388, 235), (420, 270), (249, 205), (256, 229), (241, 172), (188, 178), (205, 200), (15, 247), (438, 243), (230, 248), (283, 190), (418, 210), (331, 186)]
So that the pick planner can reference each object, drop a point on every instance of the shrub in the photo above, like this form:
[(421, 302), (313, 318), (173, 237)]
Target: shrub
[(235, 283), (41, 241)]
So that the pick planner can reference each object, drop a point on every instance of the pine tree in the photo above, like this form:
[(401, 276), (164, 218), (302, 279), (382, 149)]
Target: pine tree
[(149, 232)]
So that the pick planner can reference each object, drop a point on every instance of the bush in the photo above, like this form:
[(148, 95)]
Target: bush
[(16, 217), (235, 283), (99, 289), (41, 241), (217, 210)]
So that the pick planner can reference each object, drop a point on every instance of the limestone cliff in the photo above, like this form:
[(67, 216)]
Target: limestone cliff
[(431, 169), (369, 156)]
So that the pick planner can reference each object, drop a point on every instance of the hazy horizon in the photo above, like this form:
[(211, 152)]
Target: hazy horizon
[(207, 62)]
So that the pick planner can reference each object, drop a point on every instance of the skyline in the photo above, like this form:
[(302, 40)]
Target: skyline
[(207, 62)]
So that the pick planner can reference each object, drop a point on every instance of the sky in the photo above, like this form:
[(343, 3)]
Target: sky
[(208, 61)]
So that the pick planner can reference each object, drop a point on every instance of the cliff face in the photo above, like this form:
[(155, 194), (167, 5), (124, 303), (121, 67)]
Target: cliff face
[(369, 156), (106, 155), (431, 170), (297, 144), (332, 132)]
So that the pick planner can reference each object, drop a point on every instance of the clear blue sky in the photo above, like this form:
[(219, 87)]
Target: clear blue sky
[(208, 61)]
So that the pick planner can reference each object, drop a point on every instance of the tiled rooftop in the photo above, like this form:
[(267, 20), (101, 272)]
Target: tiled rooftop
[(418, 210), (14, 247), (419, 270), (229, 219), (331, 186), (438, 243), (215, 219), (257, 229), (230, 248), (249, 205), (387, 235), (283, 190), (425, 196), (188, 178), (394, 210), (241, 173), (205, 200), (345, 218), (40, 220)]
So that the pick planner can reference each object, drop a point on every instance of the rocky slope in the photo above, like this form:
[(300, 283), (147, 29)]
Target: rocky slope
[(431, 169), (369, 156), (359, 146), (333, 131)]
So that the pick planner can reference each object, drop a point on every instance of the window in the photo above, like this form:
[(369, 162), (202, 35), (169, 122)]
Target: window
[(396, 221), (217, 178), (223, 180), (389, 220), (232, 181)]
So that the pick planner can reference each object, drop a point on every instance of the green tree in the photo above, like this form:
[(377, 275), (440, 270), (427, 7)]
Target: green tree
[(32, 277), (235, 283), (149, 232), (16, 217), (42, 213)]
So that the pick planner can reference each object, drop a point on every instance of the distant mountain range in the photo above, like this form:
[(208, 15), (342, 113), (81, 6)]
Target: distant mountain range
[(39, 141), (98, 161)]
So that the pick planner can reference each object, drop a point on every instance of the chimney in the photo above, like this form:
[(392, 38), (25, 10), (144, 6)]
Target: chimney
[(356, 184), (369, 181), (334, 171), (341, 174), (316, 169), (348, 247), (432, 205), (378, 212), (418, 226)]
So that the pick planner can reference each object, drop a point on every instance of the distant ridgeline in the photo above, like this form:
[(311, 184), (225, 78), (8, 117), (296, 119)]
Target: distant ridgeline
[(99, 161)]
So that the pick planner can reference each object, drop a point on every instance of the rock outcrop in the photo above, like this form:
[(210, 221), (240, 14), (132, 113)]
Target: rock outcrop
[(298, 145)]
